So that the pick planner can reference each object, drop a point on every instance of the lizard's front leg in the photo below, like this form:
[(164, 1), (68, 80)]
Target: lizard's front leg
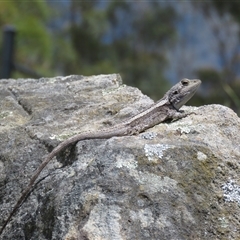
[(175, 115)]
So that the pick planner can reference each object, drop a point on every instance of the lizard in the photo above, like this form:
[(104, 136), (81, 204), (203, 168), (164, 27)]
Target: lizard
[(164, 109)]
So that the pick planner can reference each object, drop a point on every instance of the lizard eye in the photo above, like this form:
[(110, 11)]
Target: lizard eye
[(184, 82)]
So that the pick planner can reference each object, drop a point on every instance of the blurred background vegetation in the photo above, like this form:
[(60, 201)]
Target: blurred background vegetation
[(152, 44)]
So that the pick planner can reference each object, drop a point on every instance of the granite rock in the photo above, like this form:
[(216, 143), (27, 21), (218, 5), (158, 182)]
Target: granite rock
[(178, 180)]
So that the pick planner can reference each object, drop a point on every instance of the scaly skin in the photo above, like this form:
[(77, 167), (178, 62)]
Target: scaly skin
[(166, 108)]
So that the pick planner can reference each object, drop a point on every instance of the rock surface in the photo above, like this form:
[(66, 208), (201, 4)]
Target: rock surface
[(176, 181)]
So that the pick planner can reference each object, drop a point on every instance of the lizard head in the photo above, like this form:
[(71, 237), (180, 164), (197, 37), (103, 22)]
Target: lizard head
[(180, 93)]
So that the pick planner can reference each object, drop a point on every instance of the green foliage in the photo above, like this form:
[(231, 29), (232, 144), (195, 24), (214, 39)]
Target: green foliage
[(120, 36), (220, 85), (233, 7), (33, 42), (218, 90), (126, 38)]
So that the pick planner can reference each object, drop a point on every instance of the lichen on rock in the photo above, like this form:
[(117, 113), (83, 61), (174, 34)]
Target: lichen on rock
[(171, 182)]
